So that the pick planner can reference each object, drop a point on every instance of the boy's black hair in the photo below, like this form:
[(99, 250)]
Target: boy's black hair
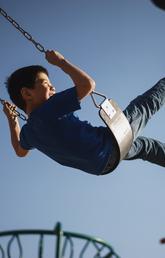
[(23, 77)]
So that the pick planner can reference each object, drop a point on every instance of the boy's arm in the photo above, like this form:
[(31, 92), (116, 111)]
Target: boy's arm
[(14, 129), (83, 82)]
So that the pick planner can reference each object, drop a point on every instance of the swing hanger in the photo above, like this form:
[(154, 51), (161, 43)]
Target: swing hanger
[(94, 99), (20, 29)]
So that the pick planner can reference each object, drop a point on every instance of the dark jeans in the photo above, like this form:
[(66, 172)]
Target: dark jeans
[(138, 112)]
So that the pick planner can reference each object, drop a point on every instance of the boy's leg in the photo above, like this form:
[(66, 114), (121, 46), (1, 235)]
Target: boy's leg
[(147, 149), (138, 112), (141, 109)]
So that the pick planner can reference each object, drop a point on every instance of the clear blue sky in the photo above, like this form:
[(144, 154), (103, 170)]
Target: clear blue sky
[(121, 45)]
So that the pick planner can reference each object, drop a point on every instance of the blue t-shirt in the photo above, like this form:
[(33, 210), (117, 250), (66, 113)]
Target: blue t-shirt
[(55, 130)]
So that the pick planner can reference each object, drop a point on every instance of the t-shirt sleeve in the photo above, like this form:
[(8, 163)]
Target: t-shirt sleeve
[(23, 142), (61, 103)]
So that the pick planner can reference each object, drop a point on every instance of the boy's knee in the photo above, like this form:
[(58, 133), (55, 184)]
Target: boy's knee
[(162, 81)]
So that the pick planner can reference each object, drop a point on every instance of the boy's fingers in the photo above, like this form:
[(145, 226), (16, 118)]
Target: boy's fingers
[(48, 52), (8, 106)]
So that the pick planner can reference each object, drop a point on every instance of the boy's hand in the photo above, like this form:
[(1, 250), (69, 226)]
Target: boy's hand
[(54, 57), (9, 109)]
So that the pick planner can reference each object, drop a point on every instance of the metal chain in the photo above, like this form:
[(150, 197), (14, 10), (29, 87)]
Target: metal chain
[(25, 33), (30, 38), (15, 112)]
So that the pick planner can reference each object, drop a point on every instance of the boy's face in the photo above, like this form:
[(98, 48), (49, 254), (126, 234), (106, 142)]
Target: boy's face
[(42, 90)]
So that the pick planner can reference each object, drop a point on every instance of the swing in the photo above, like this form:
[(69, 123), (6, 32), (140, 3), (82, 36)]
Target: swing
[(109, 111), (117, 123)]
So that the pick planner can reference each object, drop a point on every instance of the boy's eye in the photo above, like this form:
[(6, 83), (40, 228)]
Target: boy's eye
[(45, 82)]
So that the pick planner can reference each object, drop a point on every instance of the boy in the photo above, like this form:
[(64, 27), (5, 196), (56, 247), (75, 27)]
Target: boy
[(53, 128)]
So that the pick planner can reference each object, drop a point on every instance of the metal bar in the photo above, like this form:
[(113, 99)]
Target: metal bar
[(94, 100), (59, 234), (41, 246), (19, 246), (84, 248), (2, 252)]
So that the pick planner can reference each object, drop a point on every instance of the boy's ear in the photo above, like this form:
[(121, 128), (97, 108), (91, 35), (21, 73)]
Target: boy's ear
[(26, 93)]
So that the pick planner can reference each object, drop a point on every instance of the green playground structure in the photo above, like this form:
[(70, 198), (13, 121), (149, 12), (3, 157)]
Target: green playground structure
[(52, 243)]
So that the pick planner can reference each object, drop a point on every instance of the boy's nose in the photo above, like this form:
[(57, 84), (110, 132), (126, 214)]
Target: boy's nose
[(52, 88)]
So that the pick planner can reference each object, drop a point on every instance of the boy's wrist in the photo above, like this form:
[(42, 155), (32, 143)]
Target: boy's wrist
[(63, 63), (13, 120)]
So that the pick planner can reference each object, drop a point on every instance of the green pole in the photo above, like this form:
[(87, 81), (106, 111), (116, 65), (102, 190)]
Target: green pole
[(59, 234)]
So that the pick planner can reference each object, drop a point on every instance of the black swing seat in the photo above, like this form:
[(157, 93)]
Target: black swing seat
[(118, 125)]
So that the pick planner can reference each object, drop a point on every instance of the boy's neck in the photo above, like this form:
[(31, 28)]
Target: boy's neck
[(30, 108)]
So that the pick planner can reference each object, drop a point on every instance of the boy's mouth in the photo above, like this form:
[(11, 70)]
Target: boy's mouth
[(52, 92)]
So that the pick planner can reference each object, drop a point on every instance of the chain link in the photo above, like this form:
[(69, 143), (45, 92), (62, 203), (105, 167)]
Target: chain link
[(30, 38), (25, 33), (20, 115)]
